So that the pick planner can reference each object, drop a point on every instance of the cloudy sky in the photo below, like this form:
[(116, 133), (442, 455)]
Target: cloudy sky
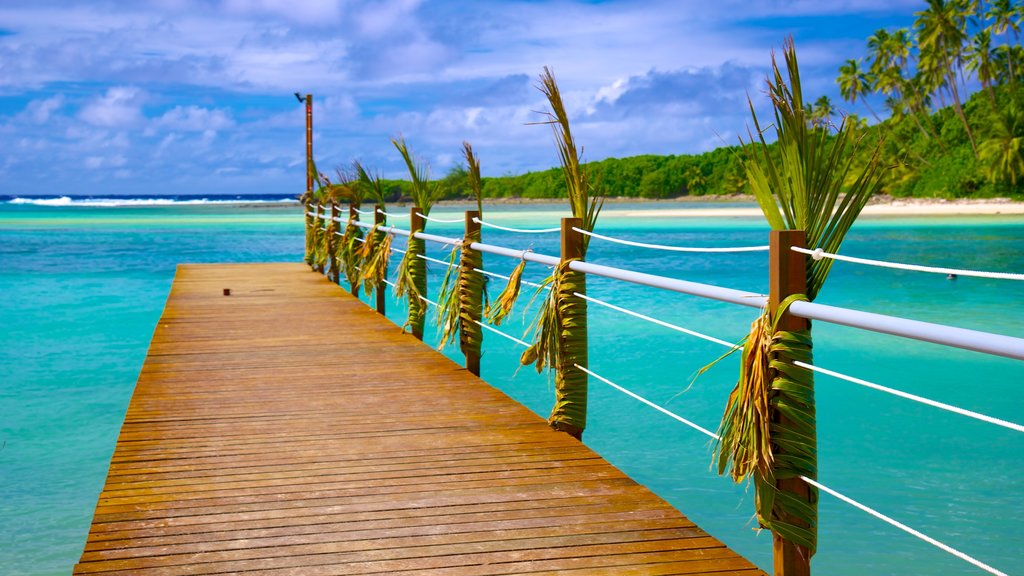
[(196, 96)]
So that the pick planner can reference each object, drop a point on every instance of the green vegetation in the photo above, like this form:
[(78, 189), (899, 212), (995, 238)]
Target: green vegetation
[(938, 141)]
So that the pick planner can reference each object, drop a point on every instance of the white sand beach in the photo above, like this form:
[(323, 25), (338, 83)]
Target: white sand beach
[(883, 207)]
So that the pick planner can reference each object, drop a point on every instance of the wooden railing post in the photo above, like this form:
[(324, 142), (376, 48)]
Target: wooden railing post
[(332, 247), (472, 312), (307, 207), (419, 267), (378, 291), (320, 233), (353, 216), (788, 275), (570, 412)]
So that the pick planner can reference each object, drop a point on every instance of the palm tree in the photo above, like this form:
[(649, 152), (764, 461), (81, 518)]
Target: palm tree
[(1005, 18), (854, 83), (981, 61), (1003, 150), (942, 32), (821, 112)]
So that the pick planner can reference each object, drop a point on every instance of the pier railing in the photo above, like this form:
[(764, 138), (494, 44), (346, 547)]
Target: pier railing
[(786, 268)]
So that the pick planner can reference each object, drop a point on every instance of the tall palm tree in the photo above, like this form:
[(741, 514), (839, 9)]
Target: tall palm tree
[(942, 33), (854, 83), (1005, 18), (981, 61)]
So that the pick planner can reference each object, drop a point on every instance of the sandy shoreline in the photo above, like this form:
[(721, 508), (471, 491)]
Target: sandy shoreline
[(883, 206)]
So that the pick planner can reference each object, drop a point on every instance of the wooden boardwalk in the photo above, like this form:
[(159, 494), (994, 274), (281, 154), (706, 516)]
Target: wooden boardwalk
[(289, 429)]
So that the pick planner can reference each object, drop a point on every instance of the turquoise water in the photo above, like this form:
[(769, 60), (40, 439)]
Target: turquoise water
[(83, 288)]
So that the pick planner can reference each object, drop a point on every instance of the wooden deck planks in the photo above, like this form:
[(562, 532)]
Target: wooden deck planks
[(289, 429)]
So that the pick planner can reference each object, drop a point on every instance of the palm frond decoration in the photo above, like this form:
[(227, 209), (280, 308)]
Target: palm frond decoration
[(461, 295), (375, 253), (411, 282), (506, 299), (347, 249), (768, 431), (560, 328)]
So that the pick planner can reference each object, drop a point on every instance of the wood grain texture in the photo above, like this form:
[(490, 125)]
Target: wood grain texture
[(289, 429)]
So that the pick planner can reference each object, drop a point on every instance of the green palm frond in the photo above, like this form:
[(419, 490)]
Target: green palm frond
[(461, 297), (585, 198), (768, 429), (802, 189), (560, 328), (375, 255), (424, 192)]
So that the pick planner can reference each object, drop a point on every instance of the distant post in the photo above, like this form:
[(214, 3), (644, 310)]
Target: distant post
[(309, 144), (416, 224), (353, 216), (787, 275), (570, 412), (379, 219), (321, 235), (332, 244), (471, 309)]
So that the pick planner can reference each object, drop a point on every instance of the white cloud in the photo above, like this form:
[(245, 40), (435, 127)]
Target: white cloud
[(308, 12), (194, 119), (120, 107), (40, 111)]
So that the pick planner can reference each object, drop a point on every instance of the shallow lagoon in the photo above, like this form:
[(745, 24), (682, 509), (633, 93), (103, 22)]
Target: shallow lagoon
[(83, 288)]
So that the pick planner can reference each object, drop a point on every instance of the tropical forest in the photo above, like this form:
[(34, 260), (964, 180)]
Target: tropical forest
[(951, 123)]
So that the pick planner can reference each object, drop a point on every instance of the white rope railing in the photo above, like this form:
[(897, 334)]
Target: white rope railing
[(658, 322), (437, 260), (365, 212), (440, 220), (818, 254), (503, 277), (836, 494), (834, 374), (863, 507), (517, 230), (904, 527), (391, 215), (639, 398), (502, 334), (914, 397), (670, 248)]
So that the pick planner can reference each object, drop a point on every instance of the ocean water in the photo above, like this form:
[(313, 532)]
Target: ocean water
[(83, 287)]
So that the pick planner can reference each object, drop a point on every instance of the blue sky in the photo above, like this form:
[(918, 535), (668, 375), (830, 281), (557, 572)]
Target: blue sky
[(196, 96)]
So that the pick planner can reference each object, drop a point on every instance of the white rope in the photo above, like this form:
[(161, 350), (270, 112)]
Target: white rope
[(429, 301), (904, 527), (442, 262), (670, 248), (527, 282), (519, 230), (400, 251), (858, 381), (814, 483), (818, 254), (500, 333), (664, 411), (658, 322), (390, 215), (915, 398), (392, 284), (365, 212), (440, 220)]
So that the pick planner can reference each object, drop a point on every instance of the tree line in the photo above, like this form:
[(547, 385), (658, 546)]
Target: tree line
[(940, 139)]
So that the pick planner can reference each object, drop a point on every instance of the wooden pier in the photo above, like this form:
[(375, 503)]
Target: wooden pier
[(286, 428)]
